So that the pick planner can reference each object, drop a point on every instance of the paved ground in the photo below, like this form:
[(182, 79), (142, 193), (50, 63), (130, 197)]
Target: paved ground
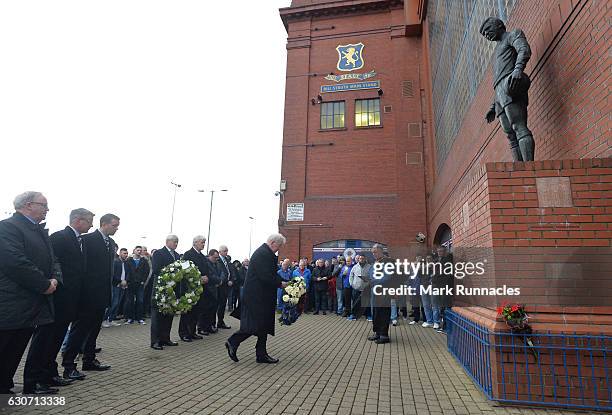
[(327, 367)]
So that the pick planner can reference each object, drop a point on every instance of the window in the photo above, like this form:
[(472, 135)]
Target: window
[(367, 112), (332, 115)]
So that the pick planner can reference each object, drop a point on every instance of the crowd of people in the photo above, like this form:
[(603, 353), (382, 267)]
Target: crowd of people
[(343, 286), (57, 292)]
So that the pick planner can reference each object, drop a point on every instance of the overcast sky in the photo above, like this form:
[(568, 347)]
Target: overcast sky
[(103, 103)]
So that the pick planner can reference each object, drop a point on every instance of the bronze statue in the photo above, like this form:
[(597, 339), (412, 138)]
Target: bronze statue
[(511, 84)]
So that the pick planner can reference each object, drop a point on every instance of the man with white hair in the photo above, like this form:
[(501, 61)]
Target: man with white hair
[(161, 324), (257, 316), (27, 280), (187, 324)]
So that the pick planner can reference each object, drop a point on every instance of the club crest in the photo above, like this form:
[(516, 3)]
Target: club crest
[(350, 57)]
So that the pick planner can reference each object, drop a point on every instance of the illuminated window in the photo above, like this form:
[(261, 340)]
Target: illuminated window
[(367, 112), (332, 115)]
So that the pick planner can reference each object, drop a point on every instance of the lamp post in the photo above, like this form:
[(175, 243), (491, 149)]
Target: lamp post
[(176, 186), (212, 194), (251, 234)]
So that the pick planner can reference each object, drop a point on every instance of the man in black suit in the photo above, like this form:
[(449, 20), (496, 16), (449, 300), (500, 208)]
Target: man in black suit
[(95, 297), (139, 272), (187, 325), (257, 311), (206, 321), (161, 324), (227, 275), (47, 339), (27, 280)]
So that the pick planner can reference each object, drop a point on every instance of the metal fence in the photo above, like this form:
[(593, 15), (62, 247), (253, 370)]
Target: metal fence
[(565, 370)]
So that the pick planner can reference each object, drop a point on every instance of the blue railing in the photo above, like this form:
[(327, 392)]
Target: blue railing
[(565, 370)]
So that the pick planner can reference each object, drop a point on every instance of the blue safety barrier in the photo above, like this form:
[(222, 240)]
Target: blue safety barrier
[(562, 370)]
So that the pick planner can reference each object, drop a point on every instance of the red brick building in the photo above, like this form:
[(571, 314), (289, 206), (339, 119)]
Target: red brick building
[(427, 162)]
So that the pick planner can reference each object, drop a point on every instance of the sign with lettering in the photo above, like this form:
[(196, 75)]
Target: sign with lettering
[(345, 76), (353, 86), (295, 212)]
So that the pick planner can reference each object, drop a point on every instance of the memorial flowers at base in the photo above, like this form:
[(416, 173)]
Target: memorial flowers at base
[(290, 299), (178, 288), (516, 318)]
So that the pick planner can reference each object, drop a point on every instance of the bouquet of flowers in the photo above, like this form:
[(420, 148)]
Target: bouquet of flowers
[(182, 277), (517, 319), (291, 297)]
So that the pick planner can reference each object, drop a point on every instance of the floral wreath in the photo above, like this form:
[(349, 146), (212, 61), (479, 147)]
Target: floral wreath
[(183, 275)]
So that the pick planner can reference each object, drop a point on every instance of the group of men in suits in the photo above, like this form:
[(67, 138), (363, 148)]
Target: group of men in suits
[(46, 284), (218, 275)]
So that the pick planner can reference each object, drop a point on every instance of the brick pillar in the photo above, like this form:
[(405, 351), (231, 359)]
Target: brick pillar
[(547, 227)]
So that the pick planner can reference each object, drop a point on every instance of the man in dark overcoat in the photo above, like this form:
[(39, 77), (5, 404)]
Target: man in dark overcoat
[(27, 280), (257, 310)]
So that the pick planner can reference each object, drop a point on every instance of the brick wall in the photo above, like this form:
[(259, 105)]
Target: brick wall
[(568, 110)]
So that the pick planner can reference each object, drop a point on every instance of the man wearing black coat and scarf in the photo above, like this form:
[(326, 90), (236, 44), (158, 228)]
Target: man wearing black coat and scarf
[(257, 309), (28, 277)]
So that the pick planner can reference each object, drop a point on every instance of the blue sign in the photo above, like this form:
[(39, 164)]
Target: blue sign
[(355, 86), (350, 57)]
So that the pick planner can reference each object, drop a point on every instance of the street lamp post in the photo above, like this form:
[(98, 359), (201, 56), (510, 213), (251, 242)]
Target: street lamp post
[(176, 186), (212, 194), (251, 234)]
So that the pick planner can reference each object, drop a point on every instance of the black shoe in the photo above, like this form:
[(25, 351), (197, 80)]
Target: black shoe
[(98, 349), (186, 339), (95, 366), (196, 337), (57, 381), (373, 337), (266, 359), (382, 340), (324, 313), (39, 389), (316, 313), (73, 374), (169, 343), (223, 326), (231, 351), (157, 346)]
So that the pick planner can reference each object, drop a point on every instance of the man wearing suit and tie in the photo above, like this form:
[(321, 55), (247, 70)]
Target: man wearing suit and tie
[(99, 251), (161, 324), (187, 325), (206, 321), (27, 280), (228, 274), (47, 339)]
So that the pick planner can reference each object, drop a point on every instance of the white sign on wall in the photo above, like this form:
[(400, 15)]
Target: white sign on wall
[(295, 212)]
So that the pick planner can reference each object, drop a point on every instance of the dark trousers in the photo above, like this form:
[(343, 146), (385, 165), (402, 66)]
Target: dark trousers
[(348, 296), (161, 325), (188, 321), (260, 348), (37, 361), (380, 321), (221, 303), (82, 338), (12, 345), (357, 308), (321, 300), (46, 342), (207, 317), (134, 302), (418, 313)]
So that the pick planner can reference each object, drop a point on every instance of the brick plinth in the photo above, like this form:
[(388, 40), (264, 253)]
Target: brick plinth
[(546, 227)]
